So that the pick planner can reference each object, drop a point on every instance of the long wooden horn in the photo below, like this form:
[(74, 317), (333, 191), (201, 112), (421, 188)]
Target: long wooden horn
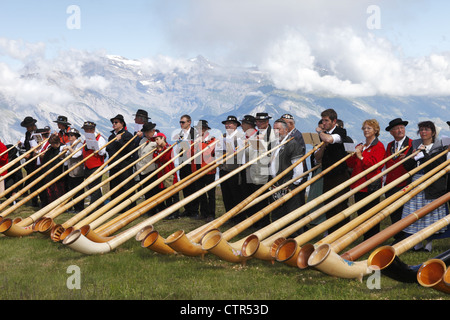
[(33, 183), (286, 255), (325, 257), (17, 226), (80, 243), (101, 233), (49, 224), (58, 230), (10, 164), (183, 243), (253, 246)]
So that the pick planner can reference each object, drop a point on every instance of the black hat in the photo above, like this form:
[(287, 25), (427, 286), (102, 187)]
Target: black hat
[(202, 124), (249, 119), (396, 122), (28, 121), (262, 116), (119, 117), (448, 122), (88, 124), (232, 118), (62, 120), (142, 113), (73, 131), (149, 126), (45, 130)]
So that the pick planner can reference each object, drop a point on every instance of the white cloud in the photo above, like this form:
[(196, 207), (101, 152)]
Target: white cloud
[(21, 50)]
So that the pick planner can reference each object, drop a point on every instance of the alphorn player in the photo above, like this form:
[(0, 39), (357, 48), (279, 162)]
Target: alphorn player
[(58, 188), (3, 162), (367, 154), (429, 147), (281, 159), (185, 138), (97, 160), (397, 129), (123, 136), (332, 151), (76, 176)]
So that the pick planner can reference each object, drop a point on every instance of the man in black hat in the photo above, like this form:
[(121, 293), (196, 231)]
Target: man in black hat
[(397, 129), (232, 192), (123, 136), (63, 127)]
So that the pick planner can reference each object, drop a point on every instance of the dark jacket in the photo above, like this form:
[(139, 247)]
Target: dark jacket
[(115, 146), (438, 188)]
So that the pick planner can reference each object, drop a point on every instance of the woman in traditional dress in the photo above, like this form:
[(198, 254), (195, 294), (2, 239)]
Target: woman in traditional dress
[(366, 155), (430, 147)]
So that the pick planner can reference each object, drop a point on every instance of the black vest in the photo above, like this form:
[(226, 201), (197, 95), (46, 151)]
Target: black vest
[(335, 152)]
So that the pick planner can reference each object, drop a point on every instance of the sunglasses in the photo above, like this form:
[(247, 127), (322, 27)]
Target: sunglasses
[(287, 116), (182, 122)]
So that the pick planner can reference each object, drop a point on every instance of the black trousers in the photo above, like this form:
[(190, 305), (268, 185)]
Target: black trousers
[(97, 194), (74, 182), (207, 200), (119, 179), (191, 208), (232, 193)]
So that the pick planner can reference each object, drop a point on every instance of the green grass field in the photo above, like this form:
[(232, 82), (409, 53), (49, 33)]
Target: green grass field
[(36, 268)]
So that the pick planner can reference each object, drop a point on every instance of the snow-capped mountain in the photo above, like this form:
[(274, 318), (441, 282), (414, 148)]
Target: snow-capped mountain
[(99, 87)]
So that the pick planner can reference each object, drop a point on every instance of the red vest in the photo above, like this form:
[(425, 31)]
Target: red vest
[(400, 170), (96, 160)]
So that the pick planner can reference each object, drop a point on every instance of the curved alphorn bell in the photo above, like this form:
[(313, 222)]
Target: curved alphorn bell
[(16, 229), (324, 255), (291, 257), (431, 273), (80, 243), (268, 248)]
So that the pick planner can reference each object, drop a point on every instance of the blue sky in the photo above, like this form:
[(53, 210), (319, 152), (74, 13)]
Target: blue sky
[(139, 28), (407, 52)]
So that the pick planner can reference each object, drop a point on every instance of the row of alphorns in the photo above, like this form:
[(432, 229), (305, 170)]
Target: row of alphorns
[(95, 231)]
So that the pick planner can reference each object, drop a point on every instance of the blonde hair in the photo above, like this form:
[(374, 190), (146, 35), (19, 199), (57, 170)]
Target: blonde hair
[(374, 124)]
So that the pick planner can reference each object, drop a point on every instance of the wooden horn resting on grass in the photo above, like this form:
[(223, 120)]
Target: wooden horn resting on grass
[(95, 220), (325, 256), (59, 229), (77, 241), (217, 243), (20, 227), (267, 249), (46, 224), (293, 249), (386, 258), (191, 244), (434, 273), (10, 164)]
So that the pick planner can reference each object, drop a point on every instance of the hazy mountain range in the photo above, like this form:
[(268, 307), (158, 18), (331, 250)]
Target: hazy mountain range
[(99, 87)]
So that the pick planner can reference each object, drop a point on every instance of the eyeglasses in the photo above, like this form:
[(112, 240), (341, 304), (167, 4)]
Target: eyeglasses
[(287, 116), (182, 122)]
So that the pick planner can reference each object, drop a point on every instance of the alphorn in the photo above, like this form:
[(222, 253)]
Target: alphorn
[(45, 225), (20, 227), (10, 164), (386, 258), (325, 258), (292, 249), (119, 222), (434, 273), (82, 244), (11, 172), (267, 249), (60, 230), (190, 244), (100, 234), (30, 175), (36, 181)]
